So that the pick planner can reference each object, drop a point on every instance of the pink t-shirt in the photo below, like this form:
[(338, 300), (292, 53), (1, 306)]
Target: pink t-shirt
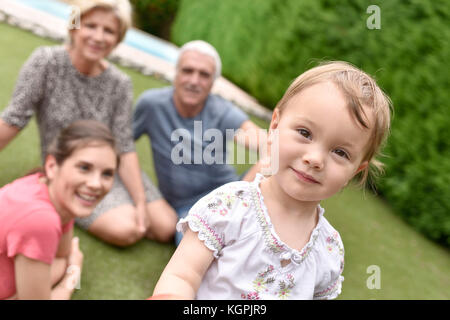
[(29, 225)]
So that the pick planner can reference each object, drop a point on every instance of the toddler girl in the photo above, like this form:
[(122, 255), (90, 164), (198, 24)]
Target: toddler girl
[(269, 239)]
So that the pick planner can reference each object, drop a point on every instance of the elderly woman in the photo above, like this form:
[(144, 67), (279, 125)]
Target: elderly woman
[(62, 84)]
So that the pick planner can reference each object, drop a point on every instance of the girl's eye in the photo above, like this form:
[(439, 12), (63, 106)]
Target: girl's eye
[(305, 133), (342, 153), (84, 167), (108, 173)]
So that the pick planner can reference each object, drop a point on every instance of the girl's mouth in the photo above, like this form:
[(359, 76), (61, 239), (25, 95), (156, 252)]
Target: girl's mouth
[(305, 177), (87, 199)]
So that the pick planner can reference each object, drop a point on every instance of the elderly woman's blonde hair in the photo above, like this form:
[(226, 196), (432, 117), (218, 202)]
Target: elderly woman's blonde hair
[(121, 8), (360, 90)]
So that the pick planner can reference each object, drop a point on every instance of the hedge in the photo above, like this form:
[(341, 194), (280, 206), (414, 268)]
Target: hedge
[(264, 45), (155, 16)]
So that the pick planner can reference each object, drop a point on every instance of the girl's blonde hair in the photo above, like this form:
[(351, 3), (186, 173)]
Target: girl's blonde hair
[(121, 8), (360, 90)]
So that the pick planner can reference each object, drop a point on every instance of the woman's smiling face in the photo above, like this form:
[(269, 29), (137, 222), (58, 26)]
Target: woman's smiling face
[(82, 180), (97, 36), (321, 145)]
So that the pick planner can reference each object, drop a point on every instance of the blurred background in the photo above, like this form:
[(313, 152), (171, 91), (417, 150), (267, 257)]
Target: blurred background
[(402, 223)]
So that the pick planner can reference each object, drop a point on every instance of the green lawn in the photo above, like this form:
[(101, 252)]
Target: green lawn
[(411, 267)]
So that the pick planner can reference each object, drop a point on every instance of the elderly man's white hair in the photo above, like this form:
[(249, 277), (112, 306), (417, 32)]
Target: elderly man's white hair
[(205, 48)]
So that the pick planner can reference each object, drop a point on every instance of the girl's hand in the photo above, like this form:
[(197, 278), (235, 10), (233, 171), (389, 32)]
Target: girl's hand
[(166, 297)]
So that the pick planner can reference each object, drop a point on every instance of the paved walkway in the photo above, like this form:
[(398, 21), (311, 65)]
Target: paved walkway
[(46, 25)]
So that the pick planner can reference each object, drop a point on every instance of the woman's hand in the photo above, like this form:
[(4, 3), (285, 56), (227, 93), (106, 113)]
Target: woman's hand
[(142, 217), (7, 133), (72, 277), (76, 256)]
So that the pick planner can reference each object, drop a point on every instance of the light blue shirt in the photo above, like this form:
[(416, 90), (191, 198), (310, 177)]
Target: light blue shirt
[(189, 160)]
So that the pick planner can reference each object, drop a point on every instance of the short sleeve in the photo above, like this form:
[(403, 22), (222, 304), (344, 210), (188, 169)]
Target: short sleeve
[(331, 285), (29, 89), (121, 124), (68, 226), (233, 118), (140, 117), (34, 238), (215, 217)]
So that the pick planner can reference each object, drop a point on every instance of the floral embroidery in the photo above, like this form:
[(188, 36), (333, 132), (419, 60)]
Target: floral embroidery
[(329, 291), (271, 242), (260, 282), (285, 287), (251, 296), (263, 282), (334, 243), (207, 234), (222, 203)]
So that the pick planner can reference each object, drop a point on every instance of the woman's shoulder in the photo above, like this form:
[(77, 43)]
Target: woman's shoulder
[(48, 53), (28, 191), (118, 75), (43, 58), (28, 202)]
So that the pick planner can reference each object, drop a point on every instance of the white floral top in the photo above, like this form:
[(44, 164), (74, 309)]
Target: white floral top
[(234, 223)]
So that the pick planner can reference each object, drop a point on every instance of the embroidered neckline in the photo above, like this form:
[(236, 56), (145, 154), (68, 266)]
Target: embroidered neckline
[(271, 238)]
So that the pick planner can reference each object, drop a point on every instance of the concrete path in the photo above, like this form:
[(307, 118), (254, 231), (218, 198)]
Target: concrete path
[(46, 25)]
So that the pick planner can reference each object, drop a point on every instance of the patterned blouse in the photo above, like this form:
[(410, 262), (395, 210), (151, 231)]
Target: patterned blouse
[(234, 223), (50, 86)]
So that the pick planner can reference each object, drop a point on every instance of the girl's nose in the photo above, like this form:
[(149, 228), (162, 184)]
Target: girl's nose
[(94, 181), (314, 159)]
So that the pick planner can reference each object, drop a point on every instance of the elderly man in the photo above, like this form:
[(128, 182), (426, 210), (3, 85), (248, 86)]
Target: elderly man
[(183, 122)]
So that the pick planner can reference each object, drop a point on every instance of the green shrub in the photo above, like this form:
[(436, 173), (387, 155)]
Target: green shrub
[(155, 16), (264, 45)]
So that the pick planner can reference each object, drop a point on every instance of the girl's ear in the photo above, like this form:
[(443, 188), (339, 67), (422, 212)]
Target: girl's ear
[(361, 167), (275, 119), (50, 167), (273, 124)]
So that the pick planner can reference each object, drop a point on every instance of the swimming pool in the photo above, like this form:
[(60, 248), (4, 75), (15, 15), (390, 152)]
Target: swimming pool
[(134, 38)]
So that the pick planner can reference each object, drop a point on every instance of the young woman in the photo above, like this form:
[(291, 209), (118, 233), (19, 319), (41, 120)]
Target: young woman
[(62, 84), (38, 257)]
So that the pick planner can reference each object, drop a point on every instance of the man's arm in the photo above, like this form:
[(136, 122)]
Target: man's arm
[(251, 136)]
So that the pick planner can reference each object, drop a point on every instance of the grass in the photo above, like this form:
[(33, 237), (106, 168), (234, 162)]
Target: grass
[(411, 267)]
